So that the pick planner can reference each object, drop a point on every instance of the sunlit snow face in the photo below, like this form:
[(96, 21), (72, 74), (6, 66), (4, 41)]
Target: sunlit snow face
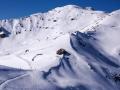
[(108, 34)]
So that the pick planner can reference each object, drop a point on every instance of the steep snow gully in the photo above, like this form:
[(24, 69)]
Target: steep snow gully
[(90, 39)]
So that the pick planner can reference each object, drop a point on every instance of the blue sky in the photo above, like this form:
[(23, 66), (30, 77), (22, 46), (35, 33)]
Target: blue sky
[(21, 8)]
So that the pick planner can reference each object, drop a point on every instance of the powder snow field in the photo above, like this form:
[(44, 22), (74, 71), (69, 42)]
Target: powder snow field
[(91, 38)]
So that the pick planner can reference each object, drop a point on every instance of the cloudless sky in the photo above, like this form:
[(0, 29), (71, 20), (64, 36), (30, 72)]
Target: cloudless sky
[(21, 8)]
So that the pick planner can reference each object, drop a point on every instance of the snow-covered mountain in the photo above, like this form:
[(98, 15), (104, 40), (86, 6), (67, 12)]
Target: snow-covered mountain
[(29, 49)]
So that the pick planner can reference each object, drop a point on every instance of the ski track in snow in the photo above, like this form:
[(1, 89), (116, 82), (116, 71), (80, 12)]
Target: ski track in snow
[(10, 80)]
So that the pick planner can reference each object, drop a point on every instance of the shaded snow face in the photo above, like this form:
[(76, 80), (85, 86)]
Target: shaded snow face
[(90, 39)]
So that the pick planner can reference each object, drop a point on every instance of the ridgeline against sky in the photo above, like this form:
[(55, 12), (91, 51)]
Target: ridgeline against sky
[(21, 8)]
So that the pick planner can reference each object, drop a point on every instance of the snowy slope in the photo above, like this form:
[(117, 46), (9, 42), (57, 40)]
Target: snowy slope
[(40, 33), (91, 39)]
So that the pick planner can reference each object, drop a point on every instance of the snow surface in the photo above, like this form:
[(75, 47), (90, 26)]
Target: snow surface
[(91, 39)]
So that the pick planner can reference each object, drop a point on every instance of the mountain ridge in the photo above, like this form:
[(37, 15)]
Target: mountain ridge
[(90, 56)]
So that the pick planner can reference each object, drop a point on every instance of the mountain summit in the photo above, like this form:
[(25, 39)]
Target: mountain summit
[(67, 48)]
